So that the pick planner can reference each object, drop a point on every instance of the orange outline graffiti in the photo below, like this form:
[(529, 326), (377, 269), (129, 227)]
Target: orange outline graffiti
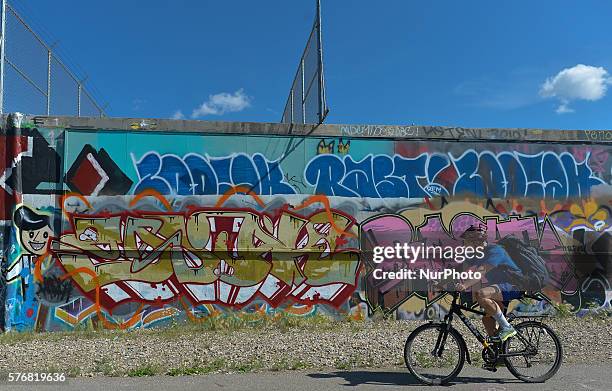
[(325, 201), (64, 197), (37, 267), (191, 316), (150, 193), (239, 189), (134, 318)]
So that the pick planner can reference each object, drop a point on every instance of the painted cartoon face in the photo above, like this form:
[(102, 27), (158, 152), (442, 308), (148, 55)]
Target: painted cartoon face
[(35, 241)]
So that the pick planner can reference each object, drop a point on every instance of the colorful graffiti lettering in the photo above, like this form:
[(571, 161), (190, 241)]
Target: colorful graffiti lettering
[(210, 256), (195, 174), (443, 229), (546, 174), (587, 215), (139, 227)]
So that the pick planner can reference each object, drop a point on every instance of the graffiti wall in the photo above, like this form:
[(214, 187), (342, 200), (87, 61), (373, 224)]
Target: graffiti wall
[(133, 228)]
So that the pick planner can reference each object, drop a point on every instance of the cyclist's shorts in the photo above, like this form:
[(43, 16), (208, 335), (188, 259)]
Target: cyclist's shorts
[(509, 292)]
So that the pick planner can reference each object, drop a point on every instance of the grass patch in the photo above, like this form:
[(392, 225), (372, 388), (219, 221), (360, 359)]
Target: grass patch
[(53, 369), (342, 365), (213, 366), (564, 310), (346, 364), (247, 366), (14, 337), (221, 323), (280, 365), (370, 362), (104, 366), (595, 311), (244, 367), (297, 365), (186, 371), (246, 322), (146, 370), (73, 372)]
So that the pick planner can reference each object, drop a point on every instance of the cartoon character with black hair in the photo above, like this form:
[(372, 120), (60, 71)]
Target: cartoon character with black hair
[(34, 235), (35, 230)]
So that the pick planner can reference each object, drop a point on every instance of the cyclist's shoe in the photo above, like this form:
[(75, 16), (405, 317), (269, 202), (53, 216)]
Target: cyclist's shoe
[(504, 334)]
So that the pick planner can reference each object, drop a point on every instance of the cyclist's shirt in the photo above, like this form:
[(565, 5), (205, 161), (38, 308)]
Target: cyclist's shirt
[(496, 257)]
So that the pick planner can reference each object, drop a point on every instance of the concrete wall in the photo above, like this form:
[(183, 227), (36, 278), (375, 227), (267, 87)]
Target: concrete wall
[(126, 223)]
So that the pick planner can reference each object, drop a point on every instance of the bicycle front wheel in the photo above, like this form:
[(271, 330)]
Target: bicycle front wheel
[(428, 365), (539, 352)]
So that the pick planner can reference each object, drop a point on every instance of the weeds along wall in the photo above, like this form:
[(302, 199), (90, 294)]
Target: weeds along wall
[(133, 224)]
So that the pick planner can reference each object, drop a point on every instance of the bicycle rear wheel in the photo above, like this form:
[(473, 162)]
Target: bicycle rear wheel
[(423, 362), (534, 365)]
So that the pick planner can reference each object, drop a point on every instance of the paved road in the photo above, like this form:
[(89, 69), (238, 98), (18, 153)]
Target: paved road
[(570, 377)]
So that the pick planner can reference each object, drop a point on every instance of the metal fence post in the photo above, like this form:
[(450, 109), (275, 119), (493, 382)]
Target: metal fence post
[(48, 81), (320, 61), (79, 101), (2, 54), (303, 97), (292, 107)]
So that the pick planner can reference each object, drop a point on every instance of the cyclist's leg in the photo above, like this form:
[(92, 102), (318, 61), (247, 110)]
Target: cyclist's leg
[(494, 328), (488, 298), (490, 325)]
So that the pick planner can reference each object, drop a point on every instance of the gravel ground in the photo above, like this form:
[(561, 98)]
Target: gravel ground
[(187, 351)]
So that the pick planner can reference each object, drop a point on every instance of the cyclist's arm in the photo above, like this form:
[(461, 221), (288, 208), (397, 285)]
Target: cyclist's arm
[(482, 269)]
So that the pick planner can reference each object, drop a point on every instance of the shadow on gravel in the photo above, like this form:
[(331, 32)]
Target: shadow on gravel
[(356, 378)]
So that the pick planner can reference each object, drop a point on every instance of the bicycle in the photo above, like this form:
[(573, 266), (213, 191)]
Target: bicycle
[(521, 354)]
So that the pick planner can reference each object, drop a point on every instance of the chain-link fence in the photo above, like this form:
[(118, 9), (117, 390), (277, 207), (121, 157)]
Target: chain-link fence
[(33, 79), (307, 103)]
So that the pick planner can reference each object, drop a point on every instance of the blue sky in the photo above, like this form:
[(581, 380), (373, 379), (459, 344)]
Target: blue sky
[(459, 63)]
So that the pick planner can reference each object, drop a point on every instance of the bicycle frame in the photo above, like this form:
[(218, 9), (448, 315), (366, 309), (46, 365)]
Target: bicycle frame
[(457, 309)]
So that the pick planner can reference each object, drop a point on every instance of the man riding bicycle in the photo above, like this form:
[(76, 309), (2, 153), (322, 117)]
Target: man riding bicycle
[(496, 265)]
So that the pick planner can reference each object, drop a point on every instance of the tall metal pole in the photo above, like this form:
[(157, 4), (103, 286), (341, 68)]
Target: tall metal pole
[(320, 64), (302, 98), (291, 96), (2, 54), (48, 81), (79, 100)]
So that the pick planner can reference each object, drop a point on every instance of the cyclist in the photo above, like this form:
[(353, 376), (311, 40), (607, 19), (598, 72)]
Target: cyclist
[(495, 265)]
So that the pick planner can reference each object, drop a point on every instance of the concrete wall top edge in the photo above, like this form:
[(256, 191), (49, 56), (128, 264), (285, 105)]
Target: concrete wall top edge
[(331, 130)]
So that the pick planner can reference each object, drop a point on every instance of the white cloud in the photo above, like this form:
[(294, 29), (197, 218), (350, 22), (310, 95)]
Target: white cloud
[(580, 82), (564, 108), (178, 115), (221, 103)]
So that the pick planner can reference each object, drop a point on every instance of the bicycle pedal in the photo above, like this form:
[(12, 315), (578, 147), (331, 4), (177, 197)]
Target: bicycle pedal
[(489, 368)]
